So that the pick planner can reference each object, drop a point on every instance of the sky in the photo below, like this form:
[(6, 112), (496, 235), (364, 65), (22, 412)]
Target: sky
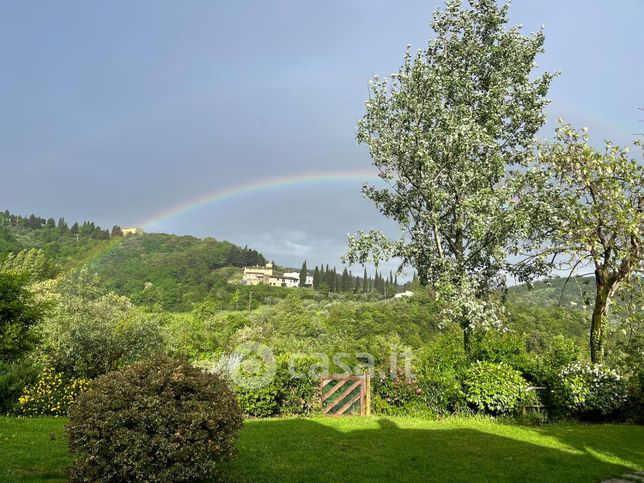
[(128, 112)]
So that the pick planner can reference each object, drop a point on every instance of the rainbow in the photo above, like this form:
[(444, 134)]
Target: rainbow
[(252, 187)]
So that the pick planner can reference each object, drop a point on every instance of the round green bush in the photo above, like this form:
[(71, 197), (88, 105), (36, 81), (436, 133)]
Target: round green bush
[(155, 421), (589, 390), (494, 387)]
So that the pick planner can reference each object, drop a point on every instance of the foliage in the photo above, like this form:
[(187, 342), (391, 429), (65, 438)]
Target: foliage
[(501, 347), (173, 272), (541, 325), (494, 387), (440, 367), (445, 132), (13, 379), (51, 395), (90, 331), (562, 353), (300, 387), (576, 292), (33, 264), (594, 204), (19, 313), (626, 349), (259, 402), (168, 271), (589, 390), (395, 394), (158, 420), (294, 390)]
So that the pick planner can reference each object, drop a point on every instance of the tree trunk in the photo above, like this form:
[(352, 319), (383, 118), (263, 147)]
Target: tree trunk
[(606, 285), (467, 342), (598, 325)]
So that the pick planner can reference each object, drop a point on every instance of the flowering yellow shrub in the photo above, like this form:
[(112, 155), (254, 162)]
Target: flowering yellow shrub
[(51, 395)]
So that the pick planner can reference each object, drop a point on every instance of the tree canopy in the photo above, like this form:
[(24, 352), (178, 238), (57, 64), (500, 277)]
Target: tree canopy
[(446, 133), (19, 313), (593, 201)]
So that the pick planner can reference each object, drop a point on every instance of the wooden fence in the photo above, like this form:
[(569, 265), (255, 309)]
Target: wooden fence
[(346, 395), (541, 392)]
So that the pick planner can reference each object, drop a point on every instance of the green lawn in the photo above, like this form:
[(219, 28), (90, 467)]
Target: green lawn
[(374, 449)]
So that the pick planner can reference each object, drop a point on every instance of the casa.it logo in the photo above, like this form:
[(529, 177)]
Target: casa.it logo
[(256, 367)]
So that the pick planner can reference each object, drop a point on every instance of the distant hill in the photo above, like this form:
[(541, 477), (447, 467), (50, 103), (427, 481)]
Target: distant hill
[(170, 271), (577, 293), (176, 272)]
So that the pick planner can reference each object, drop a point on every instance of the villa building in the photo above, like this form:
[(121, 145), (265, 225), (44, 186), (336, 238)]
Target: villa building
[(266, 275)]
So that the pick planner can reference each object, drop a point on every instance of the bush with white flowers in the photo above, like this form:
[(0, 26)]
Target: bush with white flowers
[(584, 389)]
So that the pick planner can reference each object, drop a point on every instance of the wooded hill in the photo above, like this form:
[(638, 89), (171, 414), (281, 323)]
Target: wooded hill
[(170, 271), (575, 292), (173, 272)]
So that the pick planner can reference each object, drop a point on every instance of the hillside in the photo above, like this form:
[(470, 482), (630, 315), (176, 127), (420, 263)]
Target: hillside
[(169, 271), (577, 293)]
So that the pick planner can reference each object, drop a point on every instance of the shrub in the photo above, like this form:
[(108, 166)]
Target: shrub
[(89, 331), (589, 390), (13, 379), (51, 395), (394, 394), (292, 391), (19, 313), (300, 389), (259, 402), (494, 388), (510, 349), (440, 370), (158, 420)]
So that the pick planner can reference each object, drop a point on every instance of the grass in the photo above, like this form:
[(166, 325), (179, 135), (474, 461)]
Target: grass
[(374, 449)]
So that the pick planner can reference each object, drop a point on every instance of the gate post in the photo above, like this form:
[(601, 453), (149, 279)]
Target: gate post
[(367, 383)]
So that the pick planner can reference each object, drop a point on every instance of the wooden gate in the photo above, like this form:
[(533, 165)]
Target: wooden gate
[(346, 395)]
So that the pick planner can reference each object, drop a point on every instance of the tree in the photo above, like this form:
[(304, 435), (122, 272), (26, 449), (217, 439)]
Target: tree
[(316, 278), (19, 313), (346, 284), (595, 202), (32, 264), (357, 285), (303, 274), (62, 226), (329, 277), (365, 281), (116, 231), (90, 331), (447, 134)]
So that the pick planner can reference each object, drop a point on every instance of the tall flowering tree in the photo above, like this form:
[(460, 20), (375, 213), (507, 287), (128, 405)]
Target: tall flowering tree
[(449, 133), (595, 204)]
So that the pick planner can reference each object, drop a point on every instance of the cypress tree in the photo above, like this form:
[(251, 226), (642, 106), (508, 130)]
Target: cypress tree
[(303, 274), (345, 285), (329, 278), (62, 226)]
